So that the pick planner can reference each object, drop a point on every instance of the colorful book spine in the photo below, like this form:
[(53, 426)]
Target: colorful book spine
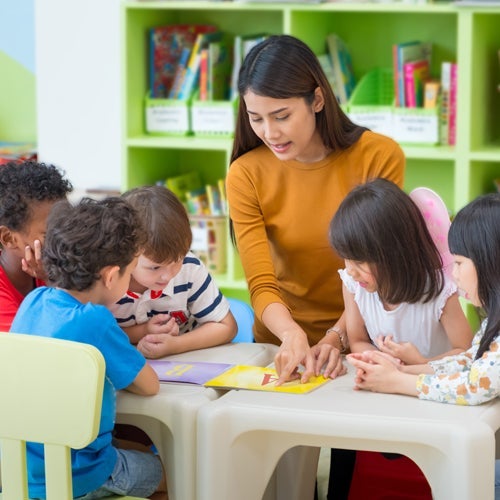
[(343, 75), (180, 73), (204, 75), (445, 103), (452, 111), (432, 90), (416, 73)]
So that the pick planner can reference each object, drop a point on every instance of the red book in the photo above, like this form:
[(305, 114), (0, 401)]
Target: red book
[(204, 75)]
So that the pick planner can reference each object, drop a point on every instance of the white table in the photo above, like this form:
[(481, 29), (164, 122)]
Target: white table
[(242, 435), (169, 418)]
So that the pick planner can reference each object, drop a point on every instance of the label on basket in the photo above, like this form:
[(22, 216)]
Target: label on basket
[(377, 121), (212, 119), (167, 118), (200, 239), (416, 128)]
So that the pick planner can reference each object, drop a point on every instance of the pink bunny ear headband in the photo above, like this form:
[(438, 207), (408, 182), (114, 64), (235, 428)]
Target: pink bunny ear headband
[(438, 223)]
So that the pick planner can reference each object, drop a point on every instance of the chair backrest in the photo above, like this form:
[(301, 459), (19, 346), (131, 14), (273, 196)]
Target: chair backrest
[(50, 393), (244, 316)]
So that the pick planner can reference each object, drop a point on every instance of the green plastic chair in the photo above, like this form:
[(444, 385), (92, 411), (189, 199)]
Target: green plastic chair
[(51, 393)]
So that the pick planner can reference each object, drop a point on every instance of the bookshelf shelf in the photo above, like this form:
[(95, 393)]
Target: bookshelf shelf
[(468, 35)]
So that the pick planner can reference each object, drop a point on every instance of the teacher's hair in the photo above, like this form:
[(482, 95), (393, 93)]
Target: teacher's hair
[(284, 67), (475, 234)]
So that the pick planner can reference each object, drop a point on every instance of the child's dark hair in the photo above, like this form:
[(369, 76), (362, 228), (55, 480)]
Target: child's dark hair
[(82, 239), (378, 223), (22, 184), (165, 221), (475, 234)]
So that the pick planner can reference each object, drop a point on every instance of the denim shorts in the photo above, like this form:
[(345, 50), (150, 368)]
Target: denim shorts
[(136, 474)]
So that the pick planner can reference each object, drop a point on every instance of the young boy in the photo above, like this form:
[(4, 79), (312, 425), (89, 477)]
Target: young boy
[(28, 191), (172, 304), (89, 253)]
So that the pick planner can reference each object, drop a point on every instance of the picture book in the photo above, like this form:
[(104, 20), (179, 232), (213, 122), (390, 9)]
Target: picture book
[(343, 74), (403, 53), (189, 372), (180, 185), (258, 378), (416, 73), (166, 45)]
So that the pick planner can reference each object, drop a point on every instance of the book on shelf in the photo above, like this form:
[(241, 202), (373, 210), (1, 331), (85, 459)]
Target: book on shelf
[(401, 54), (325, 62), (444, 112), (180, 185), (214, 200), (180, 72), (416, 73), (221, 184), (219, 70), (188, 372), (203, 80), (258, 378), (241, 47), (190, 81), (17, 151), (452, 106), (166, 45), (343, 74), (432, 91)]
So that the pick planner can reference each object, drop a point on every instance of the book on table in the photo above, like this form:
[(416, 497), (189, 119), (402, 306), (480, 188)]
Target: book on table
[(188, 372), (260, 378)]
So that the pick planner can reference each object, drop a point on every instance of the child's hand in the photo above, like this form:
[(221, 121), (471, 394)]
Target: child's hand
[(328, 356), (405, 351), (156, 345), (375, 371), (32, 261), (162, 323)]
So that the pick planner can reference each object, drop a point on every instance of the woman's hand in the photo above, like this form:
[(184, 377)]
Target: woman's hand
[(294, 351), (328, 356)]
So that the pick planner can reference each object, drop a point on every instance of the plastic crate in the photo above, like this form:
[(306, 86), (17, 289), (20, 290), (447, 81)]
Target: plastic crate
[(213, 118), (166, 116), (372, 105), (209, 240)]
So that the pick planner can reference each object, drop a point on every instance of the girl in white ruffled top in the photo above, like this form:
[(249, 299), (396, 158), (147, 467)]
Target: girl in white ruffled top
[(397, 298)]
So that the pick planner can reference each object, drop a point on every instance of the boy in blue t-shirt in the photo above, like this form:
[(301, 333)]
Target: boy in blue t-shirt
[(89, 253)]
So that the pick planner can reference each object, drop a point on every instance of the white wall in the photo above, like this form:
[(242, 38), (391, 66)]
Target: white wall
[(77, 55)]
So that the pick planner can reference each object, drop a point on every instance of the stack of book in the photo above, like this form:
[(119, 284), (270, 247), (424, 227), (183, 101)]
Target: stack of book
[(184, 55)]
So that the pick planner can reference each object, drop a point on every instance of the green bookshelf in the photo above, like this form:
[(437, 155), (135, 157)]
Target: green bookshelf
[(465, 34)]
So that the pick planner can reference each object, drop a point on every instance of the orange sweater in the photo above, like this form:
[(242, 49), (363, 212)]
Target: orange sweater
[(281, 212)]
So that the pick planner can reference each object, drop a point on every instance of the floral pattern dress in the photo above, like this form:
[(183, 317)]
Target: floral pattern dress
[(463, 380)]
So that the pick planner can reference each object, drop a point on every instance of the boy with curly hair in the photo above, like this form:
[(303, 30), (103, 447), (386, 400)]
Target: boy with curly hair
[(89, 254), (28, 190)]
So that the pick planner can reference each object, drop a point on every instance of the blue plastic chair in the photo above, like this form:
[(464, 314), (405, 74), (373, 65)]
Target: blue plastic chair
[(243, 314)]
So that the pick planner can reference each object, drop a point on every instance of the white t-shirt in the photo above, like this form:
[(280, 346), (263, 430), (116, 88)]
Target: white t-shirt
[(191, 296), (416, 323)]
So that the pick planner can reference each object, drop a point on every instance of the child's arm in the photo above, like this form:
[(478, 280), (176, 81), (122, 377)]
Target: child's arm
[(146, 383), (456, 326), (359, 340), (206, 335)]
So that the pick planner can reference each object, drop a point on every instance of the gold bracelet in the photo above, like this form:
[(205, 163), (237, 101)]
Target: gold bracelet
[(344, 342)]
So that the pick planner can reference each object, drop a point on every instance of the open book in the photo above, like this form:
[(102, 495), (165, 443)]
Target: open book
[(259, 378), (189, 372)]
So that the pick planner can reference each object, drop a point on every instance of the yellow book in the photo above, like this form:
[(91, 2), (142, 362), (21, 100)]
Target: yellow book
[(259, 378)]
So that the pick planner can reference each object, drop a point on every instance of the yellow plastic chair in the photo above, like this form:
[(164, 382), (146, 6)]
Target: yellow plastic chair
[(50, 393)]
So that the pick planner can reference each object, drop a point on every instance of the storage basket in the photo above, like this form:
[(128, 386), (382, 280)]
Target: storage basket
[(213, 118), (166, 116), (209, 240)]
